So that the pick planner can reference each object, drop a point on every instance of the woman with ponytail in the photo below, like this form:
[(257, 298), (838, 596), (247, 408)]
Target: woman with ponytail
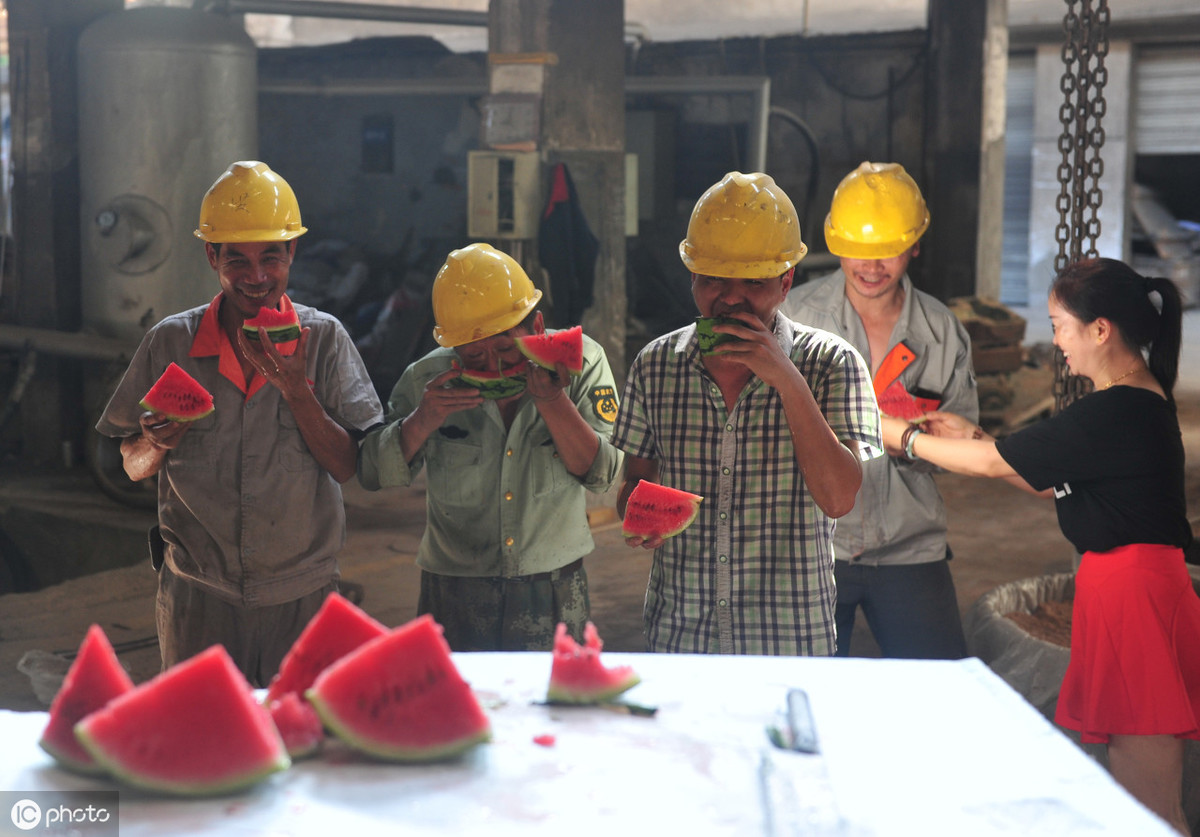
[(1113, 462)]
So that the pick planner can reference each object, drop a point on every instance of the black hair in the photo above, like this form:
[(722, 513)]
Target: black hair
[(1108, 288)]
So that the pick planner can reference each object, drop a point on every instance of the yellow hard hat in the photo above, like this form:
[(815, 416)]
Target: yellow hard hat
[(479, 292), (877, 213), (249, 202), (744, 227)]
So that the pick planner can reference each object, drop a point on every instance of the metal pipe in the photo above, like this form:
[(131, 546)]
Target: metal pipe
[(65, 343), (346, 11)]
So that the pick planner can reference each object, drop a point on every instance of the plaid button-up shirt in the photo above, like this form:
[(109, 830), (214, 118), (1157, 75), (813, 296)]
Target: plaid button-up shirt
[(754, 573)]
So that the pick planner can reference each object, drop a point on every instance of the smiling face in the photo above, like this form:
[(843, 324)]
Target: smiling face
[(253, 275), (716, 296), (1075, 339), (868, 279)]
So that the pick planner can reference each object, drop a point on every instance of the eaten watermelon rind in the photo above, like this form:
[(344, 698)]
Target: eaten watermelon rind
[(281, 327), (178, 396), (161, 721), (577, 675), (552, 347), (653, 510)]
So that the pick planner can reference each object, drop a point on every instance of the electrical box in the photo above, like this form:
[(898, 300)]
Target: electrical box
[(503, 194)]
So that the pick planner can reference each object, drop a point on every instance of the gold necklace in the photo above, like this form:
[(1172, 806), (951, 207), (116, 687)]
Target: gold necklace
[(1120, 378)]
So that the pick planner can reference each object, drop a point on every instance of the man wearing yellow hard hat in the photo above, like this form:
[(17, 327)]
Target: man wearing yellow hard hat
[(768, 427), (892, 556), (510, 456), (249, 497)]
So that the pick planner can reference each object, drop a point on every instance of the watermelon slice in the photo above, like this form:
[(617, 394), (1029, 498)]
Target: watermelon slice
[(298, 725), (554, 347), (334, 631), (658, 511), (95, 678), (178, 396), (708, 340), (578, 676), (493, 385), (400, 697), (896, 401), (281, 326), (193, 730)]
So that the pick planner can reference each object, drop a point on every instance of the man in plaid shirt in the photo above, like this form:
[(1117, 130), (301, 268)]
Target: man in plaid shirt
[(770, 428)]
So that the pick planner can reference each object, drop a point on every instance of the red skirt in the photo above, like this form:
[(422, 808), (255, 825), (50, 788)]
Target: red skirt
[(1135, 646)]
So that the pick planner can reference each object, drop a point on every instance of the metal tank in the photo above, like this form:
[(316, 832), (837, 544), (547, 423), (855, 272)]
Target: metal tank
[(168, 98)]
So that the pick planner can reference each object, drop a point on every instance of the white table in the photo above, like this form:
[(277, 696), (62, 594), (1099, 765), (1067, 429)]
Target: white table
[(920, 748)]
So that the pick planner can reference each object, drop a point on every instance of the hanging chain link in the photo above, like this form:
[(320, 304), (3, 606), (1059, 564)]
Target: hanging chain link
[(1085, 46)]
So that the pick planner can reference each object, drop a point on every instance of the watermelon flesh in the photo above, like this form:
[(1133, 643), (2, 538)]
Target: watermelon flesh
[(334, 631), (554, 347), (658, 511), (281, 326), (95, 678), (577, 674), (178, 396), (896, 401), (298, 725), (401, 698), (493, 385), (193, 730)]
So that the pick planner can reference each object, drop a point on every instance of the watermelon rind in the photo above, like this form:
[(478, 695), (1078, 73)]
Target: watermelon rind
[(194, 730), (658, 511), (492, 385), (178, 396), (94, 678), (708, 340), (281, 327), (547, 350), (401, 698), (577, 674), (336, 629)]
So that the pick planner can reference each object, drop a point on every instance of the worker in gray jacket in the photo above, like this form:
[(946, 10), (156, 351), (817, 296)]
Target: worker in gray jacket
[(890, 550)]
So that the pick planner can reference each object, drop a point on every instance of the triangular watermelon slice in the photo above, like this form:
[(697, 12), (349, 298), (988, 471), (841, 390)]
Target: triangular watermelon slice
[(554, 347), (578, 676), (95, 678), (401, 698), (334, 631), (281, 326), (298, 725), (658, 511), (193, 730), (178, 396), (503, 383)]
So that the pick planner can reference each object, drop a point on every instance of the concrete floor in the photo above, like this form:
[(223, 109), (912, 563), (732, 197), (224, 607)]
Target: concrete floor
[(998, 535)]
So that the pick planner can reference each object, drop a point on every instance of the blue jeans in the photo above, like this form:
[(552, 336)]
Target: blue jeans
[(912, 609)]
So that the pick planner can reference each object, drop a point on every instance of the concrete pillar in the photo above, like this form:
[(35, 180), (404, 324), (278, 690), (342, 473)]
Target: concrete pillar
[(963, 176), (1116, 154), (577, 54), (45, 287)]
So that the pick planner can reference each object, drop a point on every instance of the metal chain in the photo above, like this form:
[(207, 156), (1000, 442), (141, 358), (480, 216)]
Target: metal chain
[(1085, 46)]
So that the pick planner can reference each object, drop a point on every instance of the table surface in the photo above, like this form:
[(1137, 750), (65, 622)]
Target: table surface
[(906, 747)]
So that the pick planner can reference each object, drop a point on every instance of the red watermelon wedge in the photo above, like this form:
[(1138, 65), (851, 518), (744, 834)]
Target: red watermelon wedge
[(95, 678), (554, 347), (178, 396), (401, 698), (334, 631), (193, 730), (281, 326), (654, 510), (578, 676)]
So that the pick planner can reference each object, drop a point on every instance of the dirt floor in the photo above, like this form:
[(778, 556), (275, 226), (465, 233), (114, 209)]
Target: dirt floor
[(998, 534)]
